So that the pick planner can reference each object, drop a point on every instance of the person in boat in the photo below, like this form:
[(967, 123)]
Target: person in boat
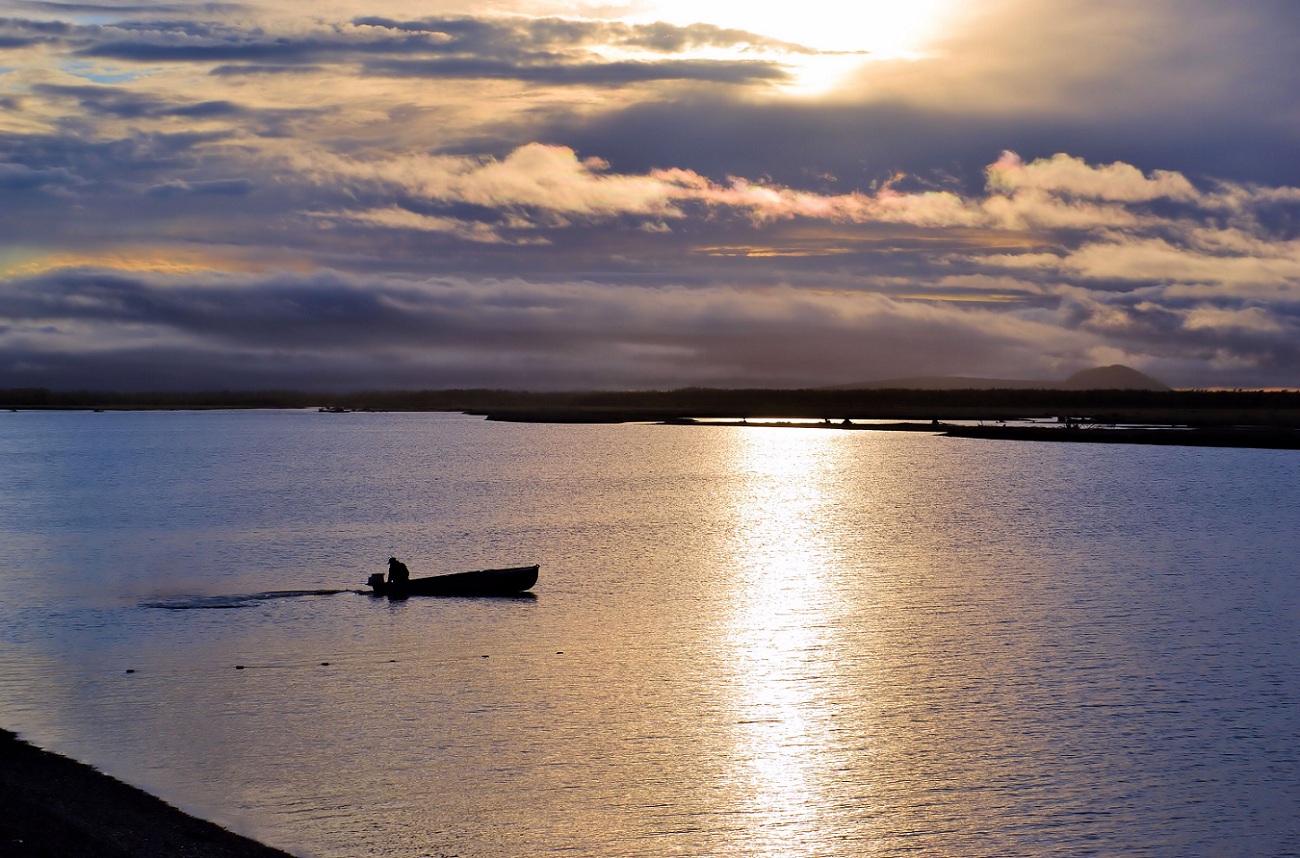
[(397, 571)]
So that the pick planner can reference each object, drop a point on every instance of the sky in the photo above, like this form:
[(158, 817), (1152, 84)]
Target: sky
[(552, 194)]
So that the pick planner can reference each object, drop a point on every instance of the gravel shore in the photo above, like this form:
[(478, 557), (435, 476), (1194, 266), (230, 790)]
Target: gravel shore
[(53, 807)]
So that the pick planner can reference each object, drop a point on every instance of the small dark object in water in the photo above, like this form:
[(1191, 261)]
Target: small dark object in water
[(511, 581), (130, 670), (239, 667)]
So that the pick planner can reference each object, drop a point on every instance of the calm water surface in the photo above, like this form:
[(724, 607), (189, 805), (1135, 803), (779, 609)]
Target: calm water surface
[(745, 642)]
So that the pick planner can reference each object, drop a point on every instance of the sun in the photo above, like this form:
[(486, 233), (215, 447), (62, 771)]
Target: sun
[(846, 34), (886, 27)]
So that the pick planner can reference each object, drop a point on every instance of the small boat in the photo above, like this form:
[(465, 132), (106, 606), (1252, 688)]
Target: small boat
[(484, 582)]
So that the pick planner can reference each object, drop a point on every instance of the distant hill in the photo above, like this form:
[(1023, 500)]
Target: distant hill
[(1116, 377)]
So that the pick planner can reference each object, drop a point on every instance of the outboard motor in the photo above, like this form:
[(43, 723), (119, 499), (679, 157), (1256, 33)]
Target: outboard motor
[(376, 582)]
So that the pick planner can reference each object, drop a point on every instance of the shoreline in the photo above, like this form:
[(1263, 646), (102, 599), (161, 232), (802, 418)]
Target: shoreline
[(1245, 437), (1248, 428), (56, 807), (1239, 437)]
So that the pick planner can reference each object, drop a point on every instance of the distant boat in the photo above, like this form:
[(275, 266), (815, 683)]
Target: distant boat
[(484, 582)]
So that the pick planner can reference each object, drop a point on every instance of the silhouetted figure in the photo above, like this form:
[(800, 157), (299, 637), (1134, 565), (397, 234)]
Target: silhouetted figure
[(397, 571)]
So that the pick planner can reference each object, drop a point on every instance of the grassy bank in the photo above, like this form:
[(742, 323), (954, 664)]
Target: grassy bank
[(57, 808)]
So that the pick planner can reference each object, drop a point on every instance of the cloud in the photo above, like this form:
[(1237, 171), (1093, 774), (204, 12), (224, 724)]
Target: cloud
[(1158, 260), (554, 179), (448, 331), (15, 177), (404, 219), (220, 187), (452, 196), (1192, 86), (547, 178), (1254, 319), (588, 73), (1129, 273), (1064, 176), (548, 51), (1057, 193), (513, 35)]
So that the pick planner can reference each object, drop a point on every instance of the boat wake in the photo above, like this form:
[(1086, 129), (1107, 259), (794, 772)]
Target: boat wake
[(210, 603)]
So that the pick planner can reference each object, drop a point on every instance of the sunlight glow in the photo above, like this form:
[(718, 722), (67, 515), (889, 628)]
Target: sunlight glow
[(777, 632), (883, 27), (843, 35), (33, 262)]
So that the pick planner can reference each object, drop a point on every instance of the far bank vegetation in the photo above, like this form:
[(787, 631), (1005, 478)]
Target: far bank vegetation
[(1174, 407)]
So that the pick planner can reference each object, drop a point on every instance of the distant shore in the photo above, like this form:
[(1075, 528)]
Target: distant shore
[(1254, 437), (1214, 418), (55, 807), (1170, 407)]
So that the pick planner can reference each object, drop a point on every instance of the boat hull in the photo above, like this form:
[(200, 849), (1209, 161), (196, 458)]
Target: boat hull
[(484, 582)]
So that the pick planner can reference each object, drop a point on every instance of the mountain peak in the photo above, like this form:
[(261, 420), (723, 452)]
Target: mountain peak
[(1114, 377)]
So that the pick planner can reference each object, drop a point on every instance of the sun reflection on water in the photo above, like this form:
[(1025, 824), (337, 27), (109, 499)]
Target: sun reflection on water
[(785, 678)]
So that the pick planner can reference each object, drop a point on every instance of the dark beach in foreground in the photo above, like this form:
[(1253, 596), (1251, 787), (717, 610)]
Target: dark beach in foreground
[(57, 808)]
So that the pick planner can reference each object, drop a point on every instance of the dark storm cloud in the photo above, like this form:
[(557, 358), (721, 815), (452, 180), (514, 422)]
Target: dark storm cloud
[(127, 9), (253, 69), (328, 330), (548, 51), (48, 29), (124, 103), (281, 313), (106, 163), (215, 187), (15, 42), (513, 36), (16, 177), (83, 146), (208, 110), (544, 52), (192, 47), (16, 33), (587, 73)]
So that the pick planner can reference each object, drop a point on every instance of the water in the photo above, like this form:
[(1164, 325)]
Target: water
[(745, 641)]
